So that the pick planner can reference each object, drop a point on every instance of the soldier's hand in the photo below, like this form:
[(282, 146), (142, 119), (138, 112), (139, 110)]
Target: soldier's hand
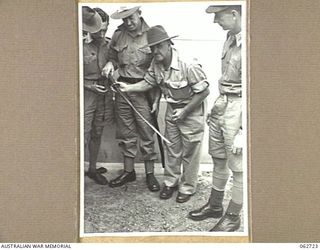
[(124, 87), (108, 69), (178, 115), (98, 88), (155, 108), (238, 143)]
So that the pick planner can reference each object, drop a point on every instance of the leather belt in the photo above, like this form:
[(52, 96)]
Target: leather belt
[(177, 105), (233, 94), (96, 80), (129, 80)]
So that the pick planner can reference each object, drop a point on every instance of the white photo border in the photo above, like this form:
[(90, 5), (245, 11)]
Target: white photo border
[(245, 105)]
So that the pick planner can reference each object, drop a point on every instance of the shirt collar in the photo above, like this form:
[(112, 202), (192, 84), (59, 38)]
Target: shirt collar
[(175, 59), (88, 38), (238, 39)]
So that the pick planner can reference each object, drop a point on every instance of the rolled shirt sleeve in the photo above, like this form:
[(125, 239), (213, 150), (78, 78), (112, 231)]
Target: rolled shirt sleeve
[(150, 76), (197, 78)]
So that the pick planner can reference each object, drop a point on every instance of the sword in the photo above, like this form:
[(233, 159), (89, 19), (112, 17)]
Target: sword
[(155, 120), (113, 81)]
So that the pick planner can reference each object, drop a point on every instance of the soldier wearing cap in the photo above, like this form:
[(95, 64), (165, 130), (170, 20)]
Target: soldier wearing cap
[(132, 64), (98, 103), (184, 87), (225, 127)]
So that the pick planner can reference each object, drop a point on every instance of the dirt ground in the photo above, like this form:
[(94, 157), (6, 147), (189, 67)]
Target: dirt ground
[(133, 208)]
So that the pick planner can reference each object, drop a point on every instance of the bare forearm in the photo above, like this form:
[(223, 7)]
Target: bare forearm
[(196, 100), (141, 86), (156, 93)]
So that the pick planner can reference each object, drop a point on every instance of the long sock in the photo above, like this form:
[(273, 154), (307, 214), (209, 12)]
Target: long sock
[(149, 166), (216, 198), (220, 174), (128, 164), (234, 208), (237, 188)]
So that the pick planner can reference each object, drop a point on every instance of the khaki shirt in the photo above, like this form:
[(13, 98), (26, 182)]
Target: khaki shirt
[(230, 81), (125, 52), (180, 82), (94, 58)]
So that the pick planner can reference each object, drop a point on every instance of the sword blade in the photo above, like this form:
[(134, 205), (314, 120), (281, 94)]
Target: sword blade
[(135, 110)]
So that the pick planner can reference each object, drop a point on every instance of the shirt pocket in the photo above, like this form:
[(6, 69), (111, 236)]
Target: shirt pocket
[(143, 56), (234, 68), (179, 90), (235, 61), (123, 56), (89, 58)]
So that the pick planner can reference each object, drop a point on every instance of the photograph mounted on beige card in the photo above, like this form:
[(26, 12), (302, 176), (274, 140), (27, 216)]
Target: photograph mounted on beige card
[(163, 120)]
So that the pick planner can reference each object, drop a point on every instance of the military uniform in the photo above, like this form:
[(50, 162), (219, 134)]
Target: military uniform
[(98, 107), (226, 115), (225, 123), (132, 64), (179, 84)]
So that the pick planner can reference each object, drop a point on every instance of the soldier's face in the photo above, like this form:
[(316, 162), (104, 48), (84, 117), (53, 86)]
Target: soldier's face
[(101, 33), (161, 51), (133, 22), (225, 19)]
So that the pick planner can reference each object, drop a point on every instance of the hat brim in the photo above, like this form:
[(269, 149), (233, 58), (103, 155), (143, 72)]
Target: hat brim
[(216, 9), (125, 13), (155, 43), (95, 27)]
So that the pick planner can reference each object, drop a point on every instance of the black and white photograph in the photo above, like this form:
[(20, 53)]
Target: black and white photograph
[(163, 118)]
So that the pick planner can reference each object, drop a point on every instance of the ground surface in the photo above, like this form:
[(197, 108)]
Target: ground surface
[(133, 208)]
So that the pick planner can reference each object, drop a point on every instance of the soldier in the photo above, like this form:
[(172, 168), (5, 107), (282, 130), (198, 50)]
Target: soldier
[(185, 87), (225, 127), (98, 103), (132, 64)]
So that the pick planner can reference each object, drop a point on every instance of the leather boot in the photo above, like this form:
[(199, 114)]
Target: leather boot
[(205, 212), (152, 182), (228, 223), (213, 209), (97, 177), (128, 174)]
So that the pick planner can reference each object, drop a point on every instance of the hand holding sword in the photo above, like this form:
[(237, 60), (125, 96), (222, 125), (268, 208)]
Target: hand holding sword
[(121, 88)]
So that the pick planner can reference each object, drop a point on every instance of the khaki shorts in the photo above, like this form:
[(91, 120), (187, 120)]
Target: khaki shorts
[(224, 124)]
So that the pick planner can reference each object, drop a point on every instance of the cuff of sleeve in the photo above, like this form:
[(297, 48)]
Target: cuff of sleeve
[(150, 80), (200, 86)]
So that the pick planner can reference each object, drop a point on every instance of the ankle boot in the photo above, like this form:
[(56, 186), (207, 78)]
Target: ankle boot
[(213, 208), (128, 174), (152, 182), (231, 221)]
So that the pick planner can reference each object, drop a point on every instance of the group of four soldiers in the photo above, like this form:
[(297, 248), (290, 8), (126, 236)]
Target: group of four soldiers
[(148, 67)]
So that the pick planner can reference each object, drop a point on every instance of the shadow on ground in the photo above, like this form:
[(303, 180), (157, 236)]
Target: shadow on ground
[(133, 208)]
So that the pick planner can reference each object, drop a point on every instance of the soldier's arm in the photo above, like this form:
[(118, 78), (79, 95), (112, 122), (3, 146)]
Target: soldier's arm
[(141, 86), (112, 56), (196, 100)]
